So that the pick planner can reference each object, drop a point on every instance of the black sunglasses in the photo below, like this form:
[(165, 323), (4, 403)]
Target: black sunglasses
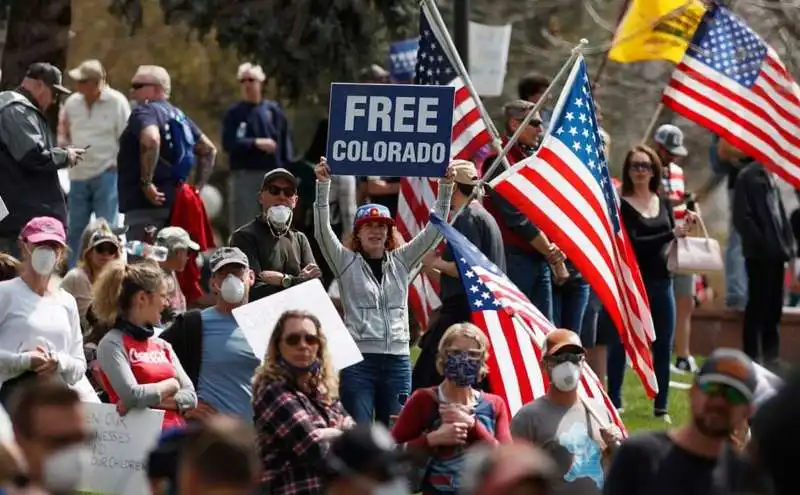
[(641, 166), (277, 190), (566, 357), (140, 85), (247, 80), (293, 339), (106, 248)]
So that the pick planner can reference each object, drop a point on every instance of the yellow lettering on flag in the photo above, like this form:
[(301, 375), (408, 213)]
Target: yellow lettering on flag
[(656, 30)]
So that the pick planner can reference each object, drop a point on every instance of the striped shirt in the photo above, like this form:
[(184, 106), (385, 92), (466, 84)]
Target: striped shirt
[(675, 186)]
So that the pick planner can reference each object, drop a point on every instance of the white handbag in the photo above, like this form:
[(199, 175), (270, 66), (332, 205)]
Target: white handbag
[(688, 255)]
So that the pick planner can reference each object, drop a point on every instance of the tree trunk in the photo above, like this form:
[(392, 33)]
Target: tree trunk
[(38, 31)]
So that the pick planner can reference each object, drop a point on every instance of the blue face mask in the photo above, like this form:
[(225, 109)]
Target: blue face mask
[(462, 369)]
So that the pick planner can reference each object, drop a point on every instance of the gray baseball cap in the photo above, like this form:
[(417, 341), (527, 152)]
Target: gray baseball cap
[(48, 74), (227, 256), (174, 238), (671, 138)]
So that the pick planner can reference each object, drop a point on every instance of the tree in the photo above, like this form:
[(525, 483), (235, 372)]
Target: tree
[(301, 44)]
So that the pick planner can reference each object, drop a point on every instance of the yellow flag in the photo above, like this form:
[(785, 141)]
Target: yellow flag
[(656, 30)]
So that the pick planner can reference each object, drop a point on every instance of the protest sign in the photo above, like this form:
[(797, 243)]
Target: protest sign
[(488, 55), (120, 449), (403, 59), (390, 130), (3, 210), (257, 321)]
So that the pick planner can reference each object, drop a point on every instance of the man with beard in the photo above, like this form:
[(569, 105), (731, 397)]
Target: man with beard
[(683, 460)]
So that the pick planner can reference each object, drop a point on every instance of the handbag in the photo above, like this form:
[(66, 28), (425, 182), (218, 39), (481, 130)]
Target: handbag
[(689, 255)]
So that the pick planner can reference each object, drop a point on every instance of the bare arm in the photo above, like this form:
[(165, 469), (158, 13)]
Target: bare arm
[(63, 137), (206, 154), (379, 187), (150, 146)]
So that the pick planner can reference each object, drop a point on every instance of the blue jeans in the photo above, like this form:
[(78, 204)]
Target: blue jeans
[(569, 304), (662, 307), (97, 195), (735, 272), (376, 388), (589, 325), (531, 274)]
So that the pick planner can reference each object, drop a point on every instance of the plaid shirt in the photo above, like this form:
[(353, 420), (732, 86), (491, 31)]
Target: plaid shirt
[(288, 444)]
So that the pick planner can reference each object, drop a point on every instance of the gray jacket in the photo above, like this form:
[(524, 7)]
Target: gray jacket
[(29, 164), (376, 311)]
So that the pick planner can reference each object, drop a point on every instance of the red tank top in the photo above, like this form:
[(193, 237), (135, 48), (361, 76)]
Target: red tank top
[(150, 362)]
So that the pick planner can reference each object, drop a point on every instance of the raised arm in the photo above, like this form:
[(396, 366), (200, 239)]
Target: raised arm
[(332, 249)]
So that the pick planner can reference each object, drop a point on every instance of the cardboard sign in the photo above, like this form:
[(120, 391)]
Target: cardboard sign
[(390, 130), (120, 449), (488, 55), (257, 321)]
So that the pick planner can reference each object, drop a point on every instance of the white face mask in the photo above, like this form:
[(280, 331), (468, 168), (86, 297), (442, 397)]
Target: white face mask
[(43, 260), (565, 376), (398, 486), (279, 216), (63, 470), (232, 289)]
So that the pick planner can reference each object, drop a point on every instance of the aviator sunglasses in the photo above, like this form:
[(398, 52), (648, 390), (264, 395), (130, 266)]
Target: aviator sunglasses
[(293, 339), (277, 190)]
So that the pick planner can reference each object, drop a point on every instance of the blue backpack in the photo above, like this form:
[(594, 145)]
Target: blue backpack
[(178, 138)]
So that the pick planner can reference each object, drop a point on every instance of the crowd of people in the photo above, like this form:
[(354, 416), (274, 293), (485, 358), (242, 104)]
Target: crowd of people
[(143, 316)]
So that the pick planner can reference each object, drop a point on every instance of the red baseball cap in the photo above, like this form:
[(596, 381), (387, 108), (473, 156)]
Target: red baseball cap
[(44, 229)]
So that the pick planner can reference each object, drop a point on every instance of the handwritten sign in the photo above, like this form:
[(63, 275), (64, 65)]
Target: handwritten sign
[(390, 130), (120, 449), (488, 55), (257, 321)]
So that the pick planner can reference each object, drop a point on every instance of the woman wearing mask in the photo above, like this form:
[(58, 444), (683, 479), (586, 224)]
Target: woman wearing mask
[(138, 369), (651, 228), (40, 331), (444, 421), (295, 407), (373, 279)]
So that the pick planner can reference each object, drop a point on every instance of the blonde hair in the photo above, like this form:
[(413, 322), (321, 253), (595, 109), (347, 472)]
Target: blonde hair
[(326, 382), (159, 75), (254, 70), (467, 331), (118, 283)]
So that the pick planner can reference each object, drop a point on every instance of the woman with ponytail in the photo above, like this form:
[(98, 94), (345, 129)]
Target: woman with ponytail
[(138, 369), (295, 406)]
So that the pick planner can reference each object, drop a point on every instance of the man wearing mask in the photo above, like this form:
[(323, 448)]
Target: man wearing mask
[(279, 255), (528, 250), (51, 431), (683, 460), (561, 424), (255, 134), (211, 346), (29, 159)]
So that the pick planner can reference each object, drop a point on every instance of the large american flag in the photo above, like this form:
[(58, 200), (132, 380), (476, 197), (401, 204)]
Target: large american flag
[(565, 189), (516, 331), (417, 195), (734, 84)]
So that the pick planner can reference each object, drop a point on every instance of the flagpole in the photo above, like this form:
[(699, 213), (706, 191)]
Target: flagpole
[(652, 124)]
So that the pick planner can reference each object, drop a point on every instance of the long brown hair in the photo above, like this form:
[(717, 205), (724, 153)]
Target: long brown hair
[(326, 382), (655, 182)]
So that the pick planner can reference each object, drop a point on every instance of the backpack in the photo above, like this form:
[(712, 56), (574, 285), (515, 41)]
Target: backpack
[(178, 137)]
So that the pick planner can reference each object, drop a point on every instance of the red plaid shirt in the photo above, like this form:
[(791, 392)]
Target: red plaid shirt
[(288, 444)]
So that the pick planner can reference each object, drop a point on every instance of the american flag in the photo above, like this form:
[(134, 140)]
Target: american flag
[(565, 189), (516, 331), (734, 84), (417, 194)]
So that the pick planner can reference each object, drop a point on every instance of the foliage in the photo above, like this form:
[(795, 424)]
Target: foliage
[(301, 44)]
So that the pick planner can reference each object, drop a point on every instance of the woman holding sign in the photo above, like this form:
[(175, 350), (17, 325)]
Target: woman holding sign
[(373, 279)]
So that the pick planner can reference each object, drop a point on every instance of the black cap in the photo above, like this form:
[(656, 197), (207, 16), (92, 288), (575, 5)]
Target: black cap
[(48, 74), (367, 450)]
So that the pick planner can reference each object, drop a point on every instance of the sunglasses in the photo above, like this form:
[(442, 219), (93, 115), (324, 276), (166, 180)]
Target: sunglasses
[(535, 123), (293, 339), (641, 166), (106, 248), (277, 190), (566, 357), (140, 85), (730, 394), (247, 80)]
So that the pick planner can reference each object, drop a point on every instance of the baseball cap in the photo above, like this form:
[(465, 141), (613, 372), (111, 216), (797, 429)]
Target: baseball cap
[(517, 109), (44, 229), (671, 138), (102, 236), (227, 256), (497, 469), (560, 339), (88, 69), (466, 173), (278, 173), (176, 238), (48, 74), (367, 449), (372, 212), (731, 367)]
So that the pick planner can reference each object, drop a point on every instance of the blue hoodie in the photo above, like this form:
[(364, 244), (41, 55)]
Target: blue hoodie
[(245, 122)]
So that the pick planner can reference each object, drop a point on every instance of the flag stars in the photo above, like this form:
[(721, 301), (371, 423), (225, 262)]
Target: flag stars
[(573, 131), (469, 274), (569, 116), (474, 289)]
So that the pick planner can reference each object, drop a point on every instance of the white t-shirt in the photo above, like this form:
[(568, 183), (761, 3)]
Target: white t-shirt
[(28, 320)]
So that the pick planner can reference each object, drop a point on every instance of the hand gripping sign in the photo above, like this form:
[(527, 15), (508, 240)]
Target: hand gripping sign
[(390, 130)]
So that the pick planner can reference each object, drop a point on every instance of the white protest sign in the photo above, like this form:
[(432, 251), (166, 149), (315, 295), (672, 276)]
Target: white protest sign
[(488, 55), (3, 210), (257, 320), (120, 449)]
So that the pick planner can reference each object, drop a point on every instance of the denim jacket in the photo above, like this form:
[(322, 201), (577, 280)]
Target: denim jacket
[(376, 311)]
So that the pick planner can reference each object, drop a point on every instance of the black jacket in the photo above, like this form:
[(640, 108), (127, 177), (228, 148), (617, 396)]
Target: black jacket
[(185, 335), (760, 218)]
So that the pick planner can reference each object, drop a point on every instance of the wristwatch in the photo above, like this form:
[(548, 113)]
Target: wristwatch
[(286, 281), (145, 182)]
